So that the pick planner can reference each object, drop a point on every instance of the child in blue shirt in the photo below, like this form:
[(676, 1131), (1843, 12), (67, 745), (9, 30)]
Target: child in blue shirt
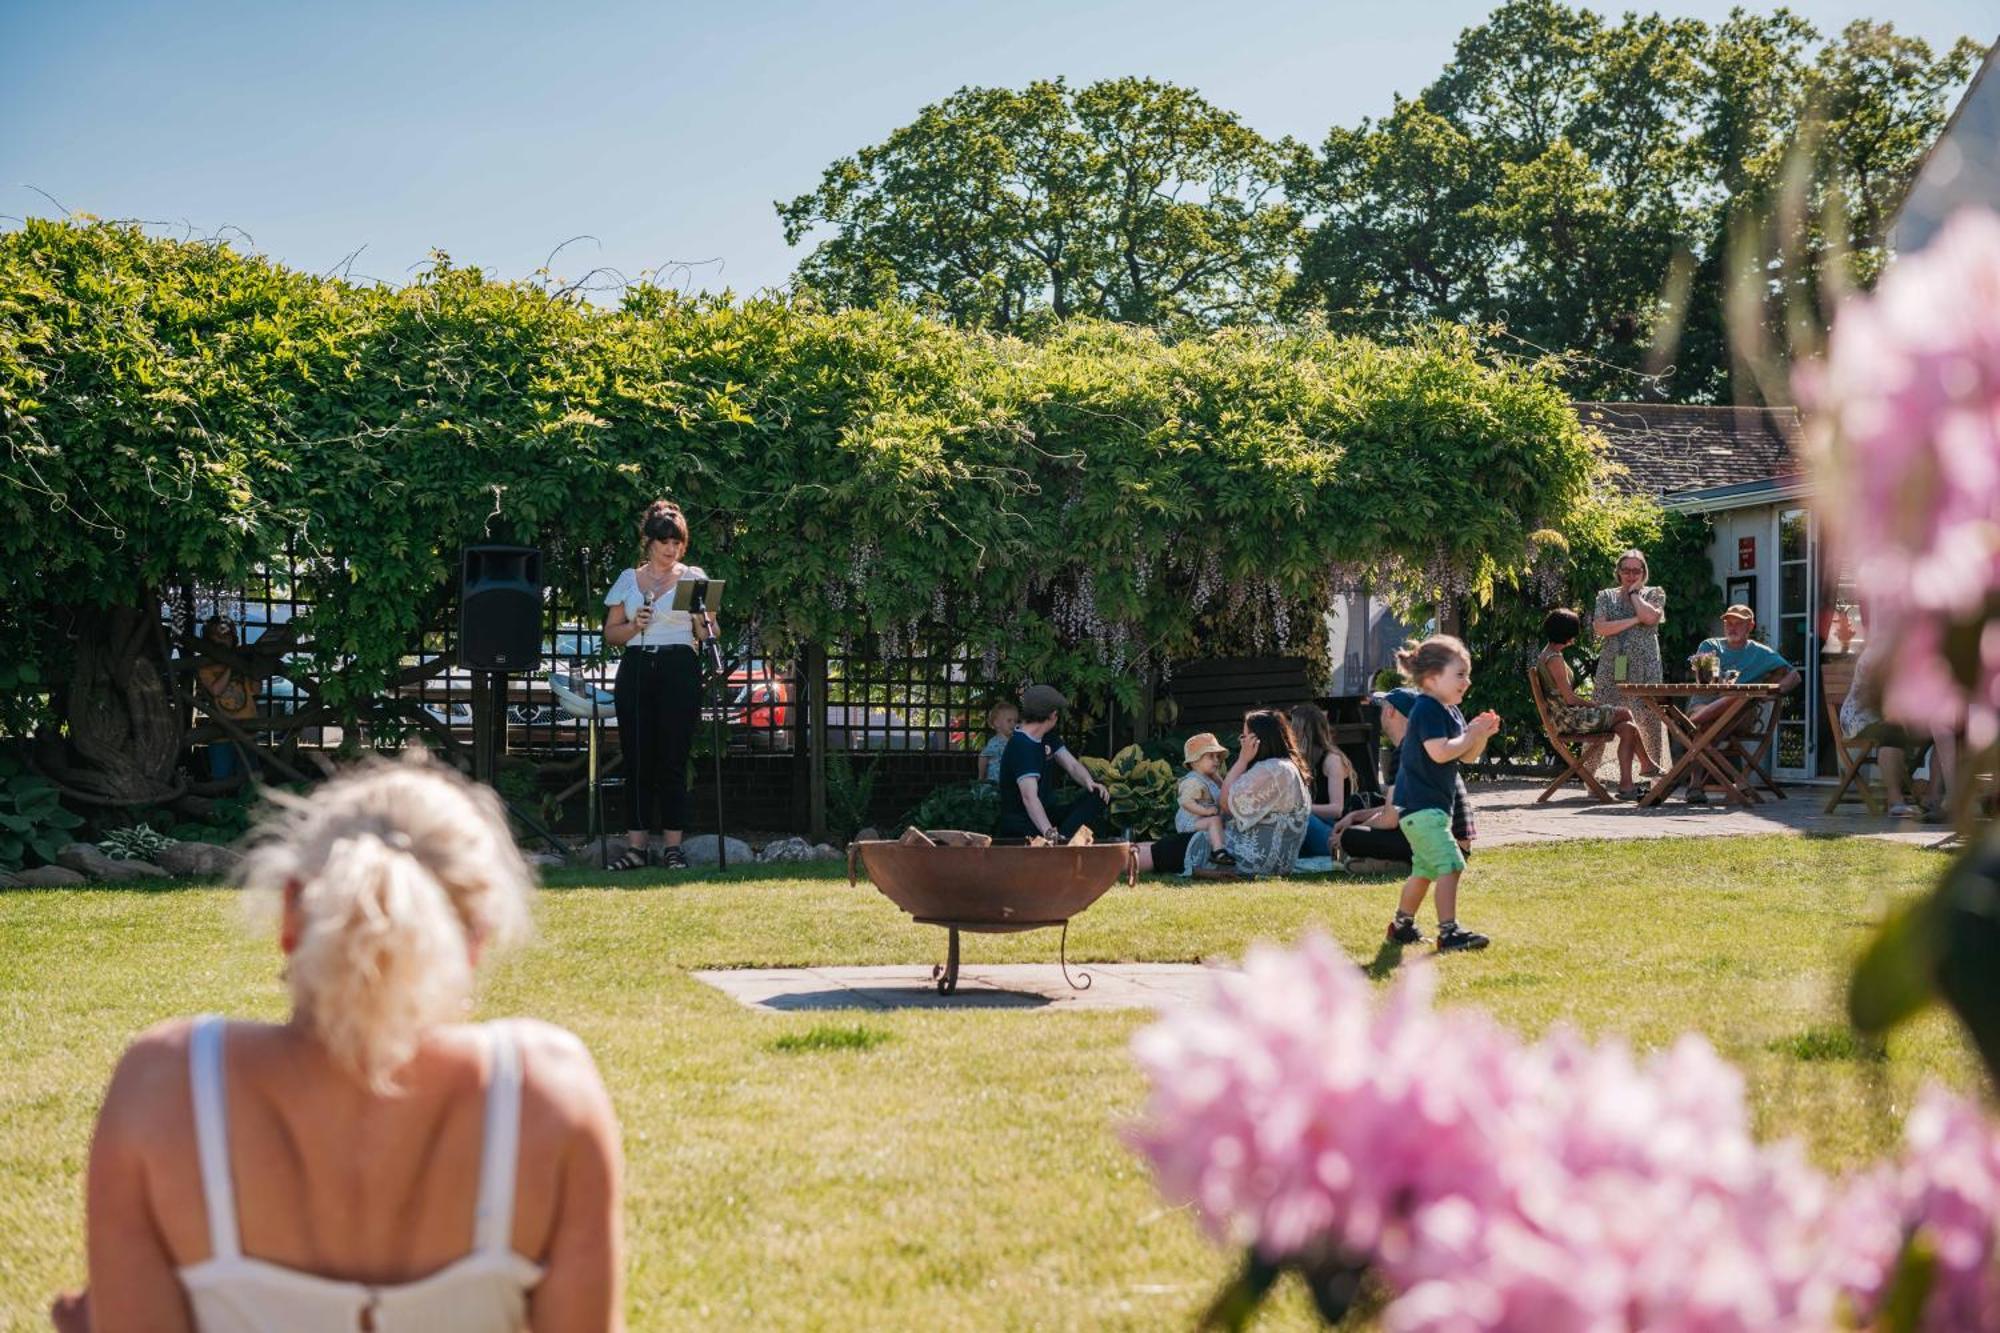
[(1003, 719), (1437, 740)]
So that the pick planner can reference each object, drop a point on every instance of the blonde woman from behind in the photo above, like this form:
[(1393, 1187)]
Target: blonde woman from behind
[(376, 1162)]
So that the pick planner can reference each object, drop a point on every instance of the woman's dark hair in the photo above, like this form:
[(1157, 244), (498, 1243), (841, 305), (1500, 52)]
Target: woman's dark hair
[(1275, 739), (663, 521), (1561, 625), (209, 626), (1314, 735)]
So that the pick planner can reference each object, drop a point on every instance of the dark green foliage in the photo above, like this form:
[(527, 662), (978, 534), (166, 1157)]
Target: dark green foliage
[(180, 411), (1505, 634), (971, 806), (33, 826), (1945, 945), (848, 793)]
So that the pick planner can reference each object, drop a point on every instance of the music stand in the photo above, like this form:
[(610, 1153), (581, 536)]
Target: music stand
[(702, 598)]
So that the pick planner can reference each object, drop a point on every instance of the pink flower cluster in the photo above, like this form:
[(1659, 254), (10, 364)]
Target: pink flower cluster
[(1905, 414), (1551, 1187)]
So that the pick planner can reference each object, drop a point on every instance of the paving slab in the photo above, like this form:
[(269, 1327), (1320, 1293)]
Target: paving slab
[(1038, 986)]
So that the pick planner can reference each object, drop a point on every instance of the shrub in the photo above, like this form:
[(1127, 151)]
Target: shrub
[(32, 820), (972, 806)]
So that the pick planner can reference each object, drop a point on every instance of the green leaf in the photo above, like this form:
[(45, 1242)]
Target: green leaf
[(1909, 1287), (1895, 978)]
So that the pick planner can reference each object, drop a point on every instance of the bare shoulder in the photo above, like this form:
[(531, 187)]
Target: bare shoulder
[(151, 1076), (558, 1071)]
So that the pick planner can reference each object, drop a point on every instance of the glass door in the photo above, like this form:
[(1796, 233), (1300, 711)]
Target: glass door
[(1794, 638)]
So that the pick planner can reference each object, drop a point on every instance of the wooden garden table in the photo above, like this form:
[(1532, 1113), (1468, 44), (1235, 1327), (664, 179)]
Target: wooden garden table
[(1702, 743)]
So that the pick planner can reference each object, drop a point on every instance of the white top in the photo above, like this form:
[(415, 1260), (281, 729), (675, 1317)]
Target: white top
[(668, 627), (484, 1292)]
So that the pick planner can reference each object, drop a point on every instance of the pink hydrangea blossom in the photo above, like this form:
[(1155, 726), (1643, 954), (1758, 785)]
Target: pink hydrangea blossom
[(1905, 415), (1563, 1185)]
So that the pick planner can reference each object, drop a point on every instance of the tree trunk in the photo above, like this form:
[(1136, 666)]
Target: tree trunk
[(125, 733)]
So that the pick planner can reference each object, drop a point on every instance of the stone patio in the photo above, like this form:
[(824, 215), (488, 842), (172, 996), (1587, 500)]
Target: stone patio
[(1508, 816)]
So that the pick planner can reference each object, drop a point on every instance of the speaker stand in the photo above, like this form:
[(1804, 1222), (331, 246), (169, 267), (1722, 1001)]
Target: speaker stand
[(489, 742)]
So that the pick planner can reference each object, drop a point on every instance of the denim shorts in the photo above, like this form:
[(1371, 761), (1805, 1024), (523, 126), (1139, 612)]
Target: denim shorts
[(1433, 853)]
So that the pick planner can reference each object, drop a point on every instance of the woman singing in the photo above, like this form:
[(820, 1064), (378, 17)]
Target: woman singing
[(658, 691)]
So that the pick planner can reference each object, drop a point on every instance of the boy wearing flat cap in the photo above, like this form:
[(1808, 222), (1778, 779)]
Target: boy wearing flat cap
[(1034, 752)]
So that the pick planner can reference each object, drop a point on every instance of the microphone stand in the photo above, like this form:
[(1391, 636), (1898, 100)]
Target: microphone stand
[(699, 608)]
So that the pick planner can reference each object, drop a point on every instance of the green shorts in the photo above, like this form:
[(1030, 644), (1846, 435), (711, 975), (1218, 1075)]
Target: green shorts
[(1433, 851)]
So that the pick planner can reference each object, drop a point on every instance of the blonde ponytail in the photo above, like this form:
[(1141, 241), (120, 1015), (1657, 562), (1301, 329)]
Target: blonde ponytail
[(400, 869)]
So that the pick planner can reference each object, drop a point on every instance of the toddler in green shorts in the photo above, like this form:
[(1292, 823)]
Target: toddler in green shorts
[(1436, 741)]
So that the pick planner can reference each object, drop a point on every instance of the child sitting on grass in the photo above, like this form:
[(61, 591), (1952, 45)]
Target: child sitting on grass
[(1437, 740), (1003, 718), (1201, 795)]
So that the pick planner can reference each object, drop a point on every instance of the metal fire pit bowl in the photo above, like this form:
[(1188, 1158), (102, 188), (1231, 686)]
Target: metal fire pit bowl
[(994, 890)]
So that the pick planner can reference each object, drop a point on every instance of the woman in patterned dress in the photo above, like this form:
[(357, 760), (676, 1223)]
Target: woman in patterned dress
[(1575, 716), (1628, 619)]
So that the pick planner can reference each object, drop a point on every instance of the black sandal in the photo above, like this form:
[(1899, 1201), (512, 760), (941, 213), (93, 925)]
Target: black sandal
[(633, 859)]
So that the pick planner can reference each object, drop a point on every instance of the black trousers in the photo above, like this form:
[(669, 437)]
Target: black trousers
[(658, 697), (1375, 844), (1068, 818)]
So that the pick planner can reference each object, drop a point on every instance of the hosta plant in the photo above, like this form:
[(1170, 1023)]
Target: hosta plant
[(136, 842), (1142, 791), (33, 823)]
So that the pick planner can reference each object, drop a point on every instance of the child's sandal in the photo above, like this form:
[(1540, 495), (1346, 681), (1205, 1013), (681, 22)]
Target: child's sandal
[(634, 858)]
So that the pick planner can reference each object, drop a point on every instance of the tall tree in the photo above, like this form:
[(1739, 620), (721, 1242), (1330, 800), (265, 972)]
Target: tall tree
[(1130, 199), (1602, 188)]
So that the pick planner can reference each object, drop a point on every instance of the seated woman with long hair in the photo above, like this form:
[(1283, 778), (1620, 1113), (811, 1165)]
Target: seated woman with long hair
[(376, 1162), (1575, 715), (1265, 804)]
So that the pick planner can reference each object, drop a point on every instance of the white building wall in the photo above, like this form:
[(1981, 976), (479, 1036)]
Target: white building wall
[(1731, 527)]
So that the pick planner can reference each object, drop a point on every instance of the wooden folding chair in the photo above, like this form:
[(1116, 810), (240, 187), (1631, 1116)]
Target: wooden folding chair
[(1836, 677), (1574, 768), (1749, 746)]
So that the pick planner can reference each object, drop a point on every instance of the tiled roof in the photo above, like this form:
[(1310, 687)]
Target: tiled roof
[(1670, 447)]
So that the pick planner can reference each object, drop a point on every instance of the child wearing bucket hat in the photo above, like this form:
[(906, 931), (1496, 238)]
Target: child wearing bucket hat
[(1201, 794)]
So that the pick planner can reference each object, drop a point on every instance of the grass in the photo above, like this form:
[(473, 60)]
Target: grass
[(962, 1170)]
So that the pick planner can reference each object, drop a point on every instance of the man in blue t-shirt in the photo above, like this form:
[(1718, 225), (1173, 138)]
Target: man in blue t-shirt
[(1034, 752), (1754, 663)]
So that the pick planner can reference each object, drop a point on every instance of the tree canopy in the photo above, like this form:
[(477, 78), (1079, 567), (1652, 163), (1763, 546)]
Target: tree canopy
[(1129, 199), (1596, 187)]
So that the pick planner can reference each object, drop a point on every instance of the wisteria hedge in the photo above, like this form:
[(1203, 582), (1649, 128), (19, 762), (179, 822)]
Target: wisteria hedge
[(1074, 508)]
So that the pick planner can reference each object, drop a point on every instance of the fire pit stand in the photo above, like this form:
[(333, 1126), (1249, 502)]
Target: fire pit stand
[(999, 890)]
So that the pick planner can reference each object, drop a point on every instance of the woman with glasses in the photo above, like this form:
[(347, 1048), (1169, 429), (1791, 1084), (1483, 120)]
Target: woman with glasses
[(1627, 619)]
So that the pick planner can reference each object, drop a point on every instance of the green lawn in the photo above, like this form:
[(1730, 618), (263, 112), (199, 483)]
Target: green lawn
[(961, 1170)]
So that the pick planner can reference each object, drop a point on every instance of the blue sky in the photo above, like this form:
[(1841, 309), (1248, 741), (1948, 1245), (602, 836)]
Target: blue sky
[(496, 131)]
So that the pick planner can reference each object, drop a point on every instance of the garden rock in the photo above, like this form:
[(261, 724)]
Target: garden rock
[(199, 860), (546, 860), (8, 881), (87, 860), (795, 849), (48, 877), (702, 851), (869, 834)]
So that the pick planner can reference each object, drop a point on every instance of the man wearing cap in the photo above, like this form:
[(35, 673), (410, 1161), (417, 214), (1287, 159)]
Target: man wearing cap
[(1033, 752), (1745, 662)]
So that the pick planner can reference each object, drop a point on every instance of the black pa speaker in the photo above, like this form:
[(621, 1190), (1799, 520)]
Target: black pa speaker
[(500, 609)]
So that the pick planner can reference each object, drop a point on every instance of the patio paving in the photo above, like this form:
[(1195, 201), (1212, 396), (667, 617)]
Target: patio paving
[(1508, 816), (990, 986)]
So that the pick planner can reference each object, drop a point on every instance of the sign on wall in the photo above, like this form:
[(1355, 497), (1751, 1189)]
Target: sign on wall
[(1746, 553)]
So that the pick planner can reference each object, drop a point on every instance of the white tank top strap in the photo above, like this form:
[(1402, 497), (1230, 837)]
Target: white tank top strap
[(500, 1150), (211, 1135)]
